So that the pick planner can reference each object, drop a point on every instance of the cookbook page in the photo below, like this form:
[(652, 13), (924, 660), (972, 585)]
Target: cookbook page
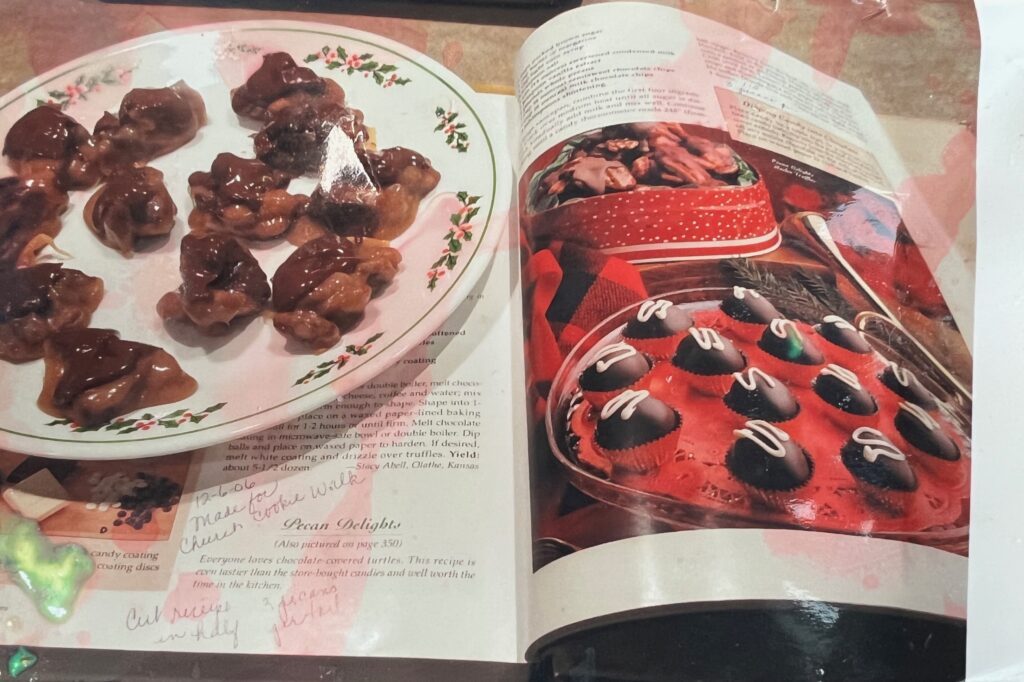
[(746, 383), (379, 525)]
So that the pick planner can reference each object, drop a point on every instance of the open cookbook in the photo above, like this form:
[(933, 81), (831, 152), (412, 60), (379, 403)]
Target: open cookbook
[(306, 348)]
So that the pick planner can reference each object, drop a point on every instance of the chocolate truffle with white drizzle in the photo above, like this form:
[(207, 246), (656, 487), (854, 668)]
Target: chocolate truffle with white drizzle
[(841, 388), (903, 383), (839, 332), (746, 313), (923, 432), (881, 468), (758, 395), (747, 305), (657, 327), (783, 340), (767, 460), (704, 361), (615, 367), (635, 430), (707, 353)]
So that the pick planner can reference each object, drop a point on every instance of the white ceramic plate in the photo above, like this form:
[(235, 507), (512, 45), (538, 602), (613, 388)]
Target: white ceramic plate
[(248, 381)]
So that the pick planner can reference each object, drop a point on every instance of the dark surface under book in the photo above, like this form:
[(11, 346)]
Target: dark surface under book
[(771, 641), (530, 13)]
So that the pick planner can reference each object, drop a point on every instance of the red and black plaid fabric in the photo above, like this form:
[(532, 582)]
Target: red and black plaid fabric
[(569, 289)]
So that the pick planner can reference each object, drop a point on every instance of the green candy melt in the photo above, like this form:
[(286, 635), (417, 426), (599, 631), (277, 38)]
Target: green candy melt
[(51, 575), (20, 661)]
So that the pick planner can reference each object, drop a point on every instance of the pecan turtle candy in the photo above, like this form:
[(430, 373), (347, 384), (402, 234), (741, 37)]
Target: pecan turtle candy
[(46, 140), (92, 376), (150, 122), (295, 140), (243, 197), (39, 301), (221, 282), (324, 287), (133, 204), (30, 210), (378, 198), (278, 82)]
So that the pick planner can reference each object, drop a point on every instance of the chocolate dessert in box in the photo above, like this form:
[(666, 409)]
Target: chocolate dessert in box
[(651, 192)]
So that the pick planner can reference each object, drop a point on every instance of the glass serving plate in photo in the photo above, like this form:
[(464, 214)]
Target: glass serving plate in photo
[(699, 483)]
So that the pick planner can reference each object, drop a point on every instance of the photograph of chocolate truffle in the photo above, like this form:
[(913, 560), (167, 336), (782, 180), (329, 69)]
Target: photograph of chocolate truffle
[(783, 340), (221, 282), (132, 204), (657, 327), (757, 395), (840, 388), (615, 367), (924, 433), (747, 305), (705, 352), (46, 140), (879, 467), (838, 331), (903, 383), (92, 376), (704, 361), (768, 462), (38, 301), (636, 431), (243, 197)]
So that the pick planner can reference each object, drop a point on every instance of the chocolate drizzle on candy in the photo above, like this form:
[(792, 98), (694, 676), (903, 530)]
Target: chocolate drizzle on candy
[(840, 388), (783, 340), (765, 457), (39, 301), (278, 78), (656, 320), (923, 432), (221, 281), (92, 376), (133, 204), (758, 395), (615, 366), (746, 305), (632, 419), (705, 352), (903, 383), (843, 334), (873, 459), (48, 140)]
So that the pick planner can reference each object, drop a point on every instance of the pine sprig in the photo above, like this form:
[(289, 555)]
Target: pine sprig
[(826, 293), (802, 296)]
